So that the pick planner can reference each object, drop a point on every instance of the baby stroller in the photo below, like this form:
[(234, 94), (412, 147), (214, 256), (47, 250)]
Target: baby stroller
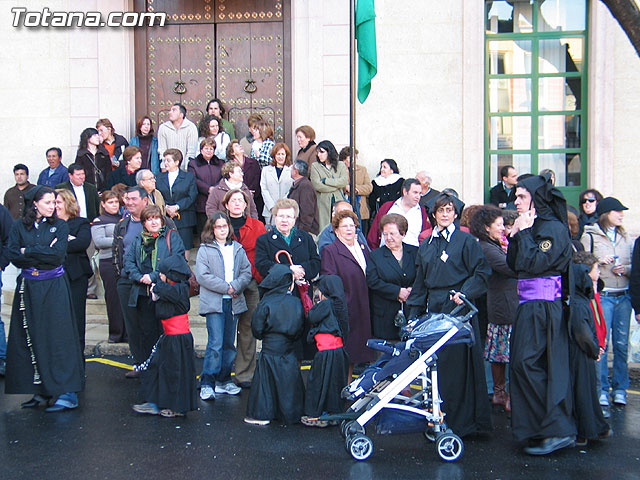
[(378, 392)]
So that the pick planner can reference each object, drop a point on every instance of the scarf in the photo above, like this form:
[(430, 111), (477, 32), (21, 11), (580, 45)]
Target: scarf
[(147, 240)]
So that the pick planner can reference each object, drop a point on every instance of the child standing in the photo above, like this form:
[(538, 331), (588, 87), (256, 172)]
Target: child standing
[(168, 377), (584, 351), (277, 391), (223, 272), (330, 367)]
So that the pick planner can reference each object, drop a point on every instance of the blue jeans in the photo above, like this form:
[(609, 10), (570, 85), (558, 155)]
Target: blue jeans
[(617, 316), (3, 339), (221, 351)]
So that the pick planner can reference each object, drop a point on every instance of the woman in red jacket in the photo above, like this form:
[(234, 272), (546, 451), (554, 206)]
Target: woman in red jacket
[(245, 231)]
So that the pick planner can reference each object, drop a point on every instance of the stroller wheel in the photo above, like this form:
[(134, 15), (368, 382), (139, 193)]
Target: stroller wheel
[(449, 447), (360, 447), (351, 428), (343, 428)]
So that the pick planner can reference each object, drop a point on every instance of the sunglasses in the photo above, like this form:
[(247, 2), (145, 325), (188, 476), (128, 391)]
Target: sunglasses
[(590, 200)]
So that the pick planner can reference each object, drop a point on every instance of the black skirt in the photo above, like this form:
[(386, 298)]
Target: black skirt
[(277, 391), (327, 378), (169, 379), (53, 333)]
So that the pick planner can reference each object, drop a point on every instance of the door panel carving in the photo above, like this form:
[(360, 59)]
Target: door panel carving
[(251, 73), (180, 62)]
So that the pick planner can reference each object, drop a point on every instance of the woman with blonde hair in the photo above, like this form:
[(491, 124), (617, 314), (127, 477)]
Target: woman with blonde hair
[(76, 265)]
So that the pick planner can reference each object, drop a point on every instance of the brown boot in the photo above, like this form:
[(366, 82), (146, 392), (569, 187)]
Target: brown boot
[(499, 379)]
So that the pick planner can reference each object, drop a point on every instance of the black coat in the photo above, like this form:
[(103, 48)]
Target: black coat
[(634, 278), (302, 249), (502, 296), (49, 316), (381, 195), (90, 193), (183, 194), (6, 222), (77, 262), (498, 195), (120, 175), (96, 176), (385, 277)]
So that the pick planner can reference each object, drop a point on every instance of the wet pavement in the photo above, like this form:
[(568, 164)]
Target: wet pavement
[(104, 438)]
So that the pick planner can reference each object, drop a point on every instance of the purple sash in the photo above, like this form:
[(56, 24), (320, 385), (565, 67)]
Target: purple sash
[(547, 289), (35, 274)]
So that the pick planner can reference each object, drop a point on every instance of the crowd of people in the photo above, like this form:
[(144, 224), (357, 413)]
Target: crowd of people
[(294, 252)]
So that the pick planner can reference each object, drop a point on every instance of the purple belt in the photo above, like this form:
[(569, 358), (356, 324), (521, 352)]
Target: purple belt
[(35, 274), (547, 289)]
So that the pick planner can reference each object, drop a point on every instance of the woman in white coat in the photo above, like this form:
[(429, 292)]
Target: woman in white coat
[(275, 180)]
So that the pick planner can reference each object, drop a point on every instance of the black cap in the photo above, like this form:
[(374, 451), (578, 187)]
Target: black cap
[(609, 204)]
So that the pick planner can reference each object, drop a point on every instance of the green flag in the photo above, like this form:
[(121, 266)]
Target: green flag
[(366, 42)]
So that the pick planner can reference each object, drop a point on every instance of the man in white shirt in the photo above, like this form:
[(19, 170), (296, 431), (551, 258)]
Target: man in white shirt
[(178, 132), (408, 206)]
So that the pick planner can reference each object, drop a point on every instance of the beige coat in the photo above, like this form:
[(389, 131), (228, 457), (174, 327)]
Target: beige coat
[(364, 188), (329, 185), (602, 247)]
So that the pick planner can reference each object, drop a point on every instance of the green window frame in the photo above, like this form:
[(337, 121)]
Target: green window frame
[(524, 94)]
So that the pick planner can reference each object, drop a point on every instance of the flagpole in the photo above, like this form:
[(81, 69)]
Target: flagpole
[(352, 103)]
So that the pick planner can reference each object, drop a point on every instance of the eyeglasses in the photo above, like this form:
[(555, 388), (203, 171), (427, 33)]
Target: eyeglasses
[(285, 217), (150, 179), (590, 200)]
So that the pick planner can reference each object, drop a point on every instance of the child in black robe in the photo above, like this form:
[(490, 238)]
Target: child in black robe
[(168, 377), (584, 351), (277, 391), (330, 367)]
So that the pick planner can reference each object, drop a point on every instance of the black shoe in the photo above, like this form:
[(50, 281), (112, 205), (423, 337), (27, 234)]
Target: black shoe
[(132, 374), (35, 401), (551, 444), (581, 442), (607, 434), (3, 367), (605, 412), (244, 385)]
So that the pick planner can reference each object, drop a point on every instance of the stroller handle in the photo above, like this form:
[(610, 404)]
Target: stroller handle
[(472, 308)]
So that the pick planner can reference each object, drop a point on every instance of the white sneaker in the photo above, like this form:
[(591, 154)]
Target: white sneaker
[(604, 399), (229, 388), (255, 421), (207, 393), (620, 399)]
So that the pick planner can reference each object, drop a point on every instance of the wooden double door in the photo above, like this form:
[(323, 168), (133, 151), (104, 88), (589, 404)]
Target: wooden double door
[(240, 62)]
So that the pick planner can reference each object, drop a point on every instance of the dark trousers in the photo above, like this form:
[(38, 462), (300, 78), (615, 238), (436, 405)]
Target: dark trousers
[(143, 328), (117, 330), (78, 289)]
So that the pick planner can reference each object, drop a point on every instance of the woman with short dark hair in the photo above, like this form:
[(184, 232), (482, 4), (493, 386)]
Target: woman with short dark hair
[(387, 186), (94, 161)]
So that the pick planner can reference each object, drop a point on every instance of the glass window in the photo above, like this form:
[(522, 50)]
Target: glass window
[(510, 57), (510, 17), (562, 15), (559, 93), (566, 166), (561, 55), (520, 161), (510, 95), (510, 133), (558, 131)]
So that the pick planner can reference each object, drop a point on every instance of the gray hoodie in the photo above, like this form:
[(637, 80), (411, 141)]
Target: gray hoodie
[(210, 275)]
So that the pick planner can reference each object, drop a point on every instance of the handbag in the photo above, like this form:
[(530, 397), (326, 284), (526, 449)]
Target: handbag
[(303, 285), (194, 286)]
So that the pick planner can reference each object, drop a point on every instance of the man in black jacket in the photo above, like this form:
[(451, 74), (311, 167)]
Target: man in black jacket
[(503, 195), (86, 193)]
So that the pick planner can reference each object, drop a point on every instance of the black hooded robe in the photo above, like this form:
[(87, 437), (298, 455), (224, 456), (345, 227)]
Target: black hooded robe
[(461, 377), (583, 352), (168, 378), (330, 368), (49, 316), (539, 379), (277, 390)]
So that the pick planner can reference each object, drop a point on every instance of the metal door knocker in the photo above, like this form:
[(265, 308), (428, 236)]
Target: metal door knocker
[(179, 88), (250, 86)]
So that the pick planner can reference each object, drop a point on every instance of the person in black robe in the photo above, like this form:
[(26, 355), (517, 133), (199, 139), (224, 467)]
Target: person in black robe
[(540, 253), (452, 260), (43, 351), (584, 351), (329, 319), (277, 391), (168, 377)]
